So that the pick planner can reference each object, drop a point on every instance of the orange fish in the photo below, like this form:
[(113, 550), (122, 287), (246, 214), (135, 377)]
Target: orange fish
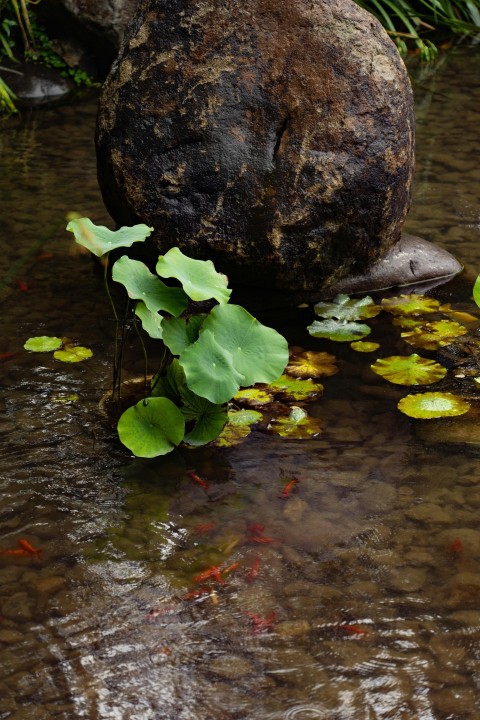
[(28, 548), (211, 573), (206, 527), (260, 624), (196, 478), (254, 568), (7, 355), (23, 287), (289, 487), (353, 630), (456, 546)]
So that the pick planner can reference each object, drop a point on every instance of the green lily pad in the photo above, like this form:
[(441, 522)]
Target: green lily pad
[(410, 305), (199, 278), (408, 323), (100, 240), (178, 334), (295, 388), (73, 353), (151, 321), (208, 417), (43, 343), (364, 347), (338, 331), (152, 427), (342, 308), (297, 426), (233, 350), (426, 406), (253, 397), (238, 427), (143, 285), (409, 370), (434, 335), (476, 291), (65, 399), (310, 364)]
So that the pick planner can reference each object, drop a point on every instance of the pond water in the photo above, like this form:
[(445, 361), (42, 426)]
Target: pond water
[(363, 605)]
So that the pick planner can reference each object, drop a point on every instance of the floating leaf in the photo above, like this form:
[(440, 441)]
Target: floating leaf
[(143, 285), (151, 321), (338, 331), (407, 323), (152, 427), (476, 291), (253, 396), (199, 278), (409, 370), (100, 240), (297, 426), (426, 406), (233, 350), (410, 305), (342, 308), (364, 347), (295, 388), (73, 353), (65, 399), (43, 343), (476, 380), (312, 364), (238, 427), (431, 336), (458, 316), (208, 417), (178, 334)]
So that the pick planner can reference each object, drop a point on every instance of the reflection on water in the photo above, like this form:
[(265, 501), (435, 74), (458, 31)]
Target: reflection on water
[(354, 597)]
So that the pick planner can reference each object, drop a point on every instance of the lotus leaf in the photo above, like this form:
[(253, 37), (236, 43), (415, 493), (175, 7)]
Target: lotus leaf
[(431, 336), (407, 323), (143, 285), (364, 347), (100, 240), (43, 343), (297, 426), (238, 427), (233, 350), (209, 418), (426, 406), (342, 308), (409, 370), (410, 305), (152, 427), (199, 278), (170, 384), (338, 331), (476, 291), (312, 364), (151, 321), (73, 353), (295, 388), (178, 334), (253, 397)]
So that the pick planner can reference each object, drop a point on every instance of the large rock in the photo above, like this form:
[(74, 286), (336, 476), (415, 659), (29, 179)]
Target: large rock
[(275, 138)]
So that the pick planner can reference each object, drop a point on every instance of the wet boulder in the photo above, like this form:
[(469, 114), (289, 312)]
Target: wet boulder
[(277, 140)]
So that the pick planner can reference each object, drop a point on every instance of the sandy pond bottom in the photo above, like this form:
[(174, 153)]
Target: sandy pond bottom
[(354, 598)]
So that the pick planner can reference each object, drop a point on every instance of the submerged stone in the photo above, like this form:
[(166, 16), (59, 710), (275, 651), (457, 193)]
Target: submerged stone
[(277, 143)]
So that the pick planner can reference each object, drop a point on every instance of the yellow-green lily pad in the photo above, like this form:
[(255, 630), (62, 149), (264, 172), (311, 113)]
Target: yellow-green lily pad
[(238, 427), (338, 330), (76, 353), (43, 343), (434, 335), (407, 323), (364, 347), (310, 364), (410, 305), (343, 308), (65, 399), (427, 406), (253, 397), (409, 370), (297, 426), (295, 388)]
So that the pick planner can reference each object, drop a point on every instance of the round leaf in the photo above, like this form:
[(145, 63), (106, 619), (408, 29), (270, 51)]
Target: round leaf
[(151, 321), (426, 406), (338, 331), (253, 397), (431, 336), (143, 285), (199, 278), (342, 308), (410, 305), (238, 427), (73, 353), (295, 388), (178, 334), (208, 417), (312, 364), (297, 426), (43, 343), (409, 370), (476, 291), (364, 347), (100, 240), (152, 427)]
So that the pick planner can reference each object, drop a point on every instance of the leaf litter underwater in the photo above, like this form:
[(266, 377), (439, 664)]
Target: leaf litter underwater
[(334, 576)]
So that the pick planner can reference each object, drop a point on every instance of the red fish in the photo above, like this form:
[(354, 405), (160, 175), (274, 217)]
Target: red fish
[(353, 630), (7, 355), (45, 256), (211, 573), (23, 287), (289, 487), (28, 548), (255, 529), (260, 624), (16, 551), (198, 592), (456, 546), (255, 534), (206, 527), (231, 568), (254, 568), (261, 539), (196, 478)]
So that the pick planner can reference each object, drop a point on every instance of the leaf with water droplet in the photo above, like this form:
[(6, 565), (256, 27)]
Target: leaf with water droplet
[(409, 370), (152, 427), (143, 285), (297, 426), (151, 321), (427, 406), (237, 427), (199, 278), (338, 331), (343, 308), (295, 388)]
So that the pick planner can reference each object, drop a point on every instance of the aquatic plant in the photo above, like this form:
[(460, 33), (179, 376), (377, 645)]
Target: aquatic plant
[(209, 351)]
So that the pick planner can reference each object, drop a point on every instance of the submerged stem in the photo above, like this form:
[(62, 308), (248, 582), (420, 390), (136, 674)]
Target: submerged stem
[(115, 380)]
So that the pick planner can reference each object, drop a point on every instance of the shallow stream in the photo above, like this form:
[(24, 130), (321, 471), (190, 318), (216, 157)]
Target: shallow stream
[(363, 604)]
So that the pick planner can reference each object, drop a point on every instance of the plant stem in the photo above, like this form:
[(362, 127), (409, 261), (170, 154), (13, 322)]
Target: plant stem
[(144, 349), (114, 309)]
